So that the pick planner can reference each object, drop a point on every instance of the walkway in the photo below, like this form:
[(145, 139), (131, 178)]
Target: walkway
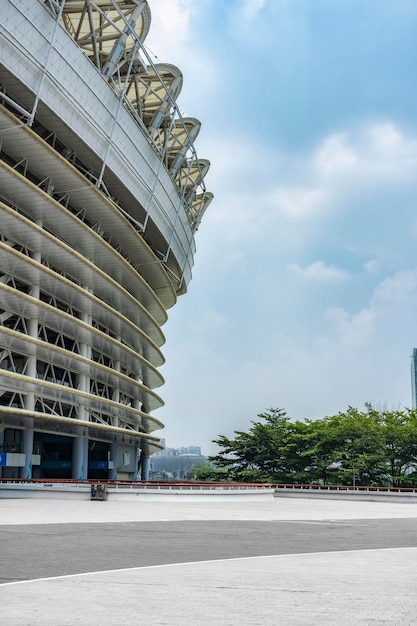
[(284, 562)]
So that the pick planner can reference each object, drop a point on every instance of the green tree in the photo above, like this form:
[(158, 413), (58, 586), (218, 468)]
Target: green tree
[(208, 472), (344, 449), (398, 444), (271, 451), (369, 447)]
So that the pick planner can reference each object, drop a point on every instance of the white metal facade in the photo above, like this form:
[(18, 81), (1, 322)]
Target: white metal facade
[(101, 193)]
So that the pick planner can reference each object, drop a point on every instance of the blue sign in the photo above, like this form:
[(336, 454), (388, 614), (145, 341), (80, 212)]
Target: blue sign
[(98, 465), (3, 459)]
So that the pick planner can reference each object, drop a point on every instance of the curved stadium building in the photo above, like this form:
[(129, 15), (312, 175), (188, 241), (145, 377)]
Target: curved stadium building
[(101, 193)]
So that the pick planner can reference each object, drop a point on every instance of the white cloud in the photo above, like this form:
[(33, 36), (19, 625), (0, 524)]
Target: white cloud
[(247, 11), (334, 155), (387, 139), (297, 202), (211, 323), (397, 290), (373, 153), (348, 330), (350, 184), (321, 272), (173, 39), (306, 187), (170, 26), (371, 266)]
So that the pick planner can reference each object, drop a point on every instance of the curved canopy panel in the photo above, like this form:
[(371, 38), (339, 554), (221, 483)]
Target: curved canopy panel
[(182, 134), (112, 33), (178, 139), (192, 174), (152, 93), (97, 26), (197, 209)]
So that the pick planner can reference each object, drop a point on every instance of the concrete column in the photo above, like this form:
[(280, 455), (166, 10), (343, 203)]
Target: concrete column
[(26, 471), (145, 468), (144, 460), (114, 451), (80, 458), (138, 455), (1, 448), (80, 442), (116, 392)]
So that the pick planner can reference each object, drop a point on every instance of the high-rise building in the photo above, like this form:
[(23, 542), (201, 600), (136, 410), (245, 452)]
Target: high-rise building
[(414, 378), (101, 193)]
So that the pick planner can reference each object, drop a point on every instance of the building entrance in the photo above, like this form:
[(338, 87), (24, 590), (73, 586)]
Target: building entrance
[(56, 455), (98, 460)]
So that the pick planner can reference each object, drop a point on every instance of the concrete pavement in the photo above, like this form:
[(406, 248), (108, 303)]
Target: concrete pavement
[(56, 511), (331, 582)]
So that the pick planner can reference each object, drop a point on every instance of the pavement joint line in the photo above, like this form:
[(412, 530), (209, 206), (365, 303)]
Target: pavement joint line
[(339, 522), (207, 561)]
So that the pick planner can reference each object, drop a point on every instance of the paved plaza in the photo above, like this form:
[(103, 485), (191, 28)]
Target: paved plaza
[(287, 561)]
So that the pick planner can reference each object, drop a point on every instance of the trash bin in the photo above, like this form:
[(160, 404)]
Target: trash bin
[(93, 492), (101, 492)]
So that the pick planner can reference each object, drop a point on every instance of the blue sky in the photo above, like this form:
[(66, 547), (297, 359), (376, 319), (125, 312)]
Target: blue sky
[(304, 290)]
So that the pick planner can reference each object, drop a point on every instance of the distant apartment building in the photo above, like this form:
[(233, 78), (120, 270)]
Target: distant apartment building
[(414, 378), (178, 451), (175, 462)]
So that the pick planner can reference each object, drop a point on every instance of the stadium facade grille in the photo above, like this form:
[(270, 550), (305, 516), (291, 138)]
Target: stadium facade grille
[(101, 194)]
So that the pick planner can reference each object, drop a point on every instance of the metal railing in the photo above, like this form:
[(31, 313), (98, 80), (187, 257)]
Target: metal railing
[(354, 488), (141, 485), (199, 486)]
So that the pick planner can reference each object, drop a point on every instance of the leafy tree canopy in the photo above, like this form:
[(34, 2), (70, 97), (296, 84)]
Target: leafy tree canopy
[(369, 447)]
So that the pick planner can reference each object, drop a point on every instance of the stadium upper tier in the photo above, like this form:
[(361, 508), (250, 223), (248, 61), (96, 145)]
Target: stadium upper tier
[(101, 193), (136, 147)]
